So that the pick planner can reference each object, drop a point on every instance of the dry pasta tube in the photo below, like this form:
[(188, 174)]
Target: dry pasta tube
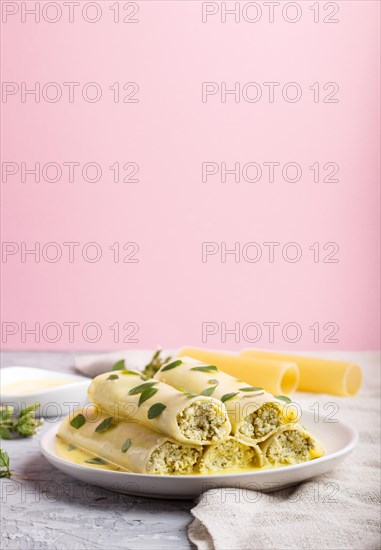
[(276, 376), (317, 375)]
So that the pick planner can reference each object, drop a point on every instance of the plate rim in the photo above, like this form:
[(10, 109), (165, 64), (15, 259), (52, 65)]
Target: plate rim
[(347, 449)]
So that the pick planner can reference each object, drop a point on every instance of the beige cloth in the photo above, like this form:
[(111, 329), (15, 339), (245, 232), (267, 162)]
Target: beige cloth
[(339, 510)]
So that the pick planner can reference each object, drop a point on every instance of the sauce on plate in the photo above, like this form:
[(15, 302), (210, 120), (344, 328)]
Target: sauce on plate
[(74, 454)]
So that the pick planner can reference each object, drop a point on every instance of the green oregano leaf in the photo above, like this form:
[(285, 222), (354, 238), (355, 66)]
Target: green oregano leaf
[(133, 372), (172, 365), (283, 398), (96, 460), (78, 421), (126, 445), (104, 425), (113, 377), (250, 388), (207, 368), (119, 365), (142, 387), (155, 410), (214, 382), (190, 395), (228, 396), (208, 391), (71, 447), (147, 394)]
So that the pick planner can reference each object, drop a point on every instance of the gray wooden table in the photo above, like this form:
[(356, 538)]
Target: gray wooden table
[(47, 509)]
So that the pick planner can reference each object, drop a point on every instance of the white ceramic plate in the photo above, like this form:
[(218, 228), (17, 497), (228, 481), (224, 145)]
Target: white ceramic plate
[(338, 440), (54, 401)]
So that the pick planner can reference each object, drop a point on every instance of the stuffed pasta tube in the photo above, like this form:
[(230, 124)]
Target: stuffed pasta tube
[(290, 445), (128, 445), (186, 418), (231, 454), (254, 414)]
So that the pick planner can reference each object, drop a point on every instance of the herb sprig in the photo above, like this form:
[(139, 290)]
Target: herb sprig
[(4, 463), (155, 364), (24, 424)]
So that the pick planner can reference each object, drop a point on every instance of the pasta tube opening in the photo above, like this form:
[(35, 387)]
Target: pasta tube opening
[(290, 446), (203, 421), (289, 379), (352, 379), (173, 459), (231, 454), (262, 422)]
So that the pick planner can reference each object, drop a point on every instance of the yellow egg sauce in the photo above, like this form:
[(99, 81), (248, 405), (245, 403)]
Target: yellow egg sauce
[(33, 386), (76, 455)]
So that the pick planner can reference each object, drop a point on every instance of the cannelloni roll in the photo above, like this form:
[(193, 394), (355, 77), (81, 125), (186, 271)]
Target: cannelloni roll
[(128, 445), (254, 414), (186, 418), (290, 445), (230, 454)]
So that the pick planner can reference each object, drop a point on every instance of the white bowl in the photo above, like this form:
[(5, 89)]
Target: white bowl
[(337, 439), (55, 401)]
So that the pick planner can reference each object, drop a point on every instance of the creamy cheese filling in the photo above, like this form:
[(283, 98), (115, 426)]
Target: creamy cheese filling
[(202, 421), (261, 422), (290, 447), (172, 458), (228, 454)]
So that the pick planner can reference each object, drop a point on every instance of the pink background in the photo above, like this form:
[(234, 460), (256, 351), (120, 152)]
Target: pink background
[(170, 211)]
